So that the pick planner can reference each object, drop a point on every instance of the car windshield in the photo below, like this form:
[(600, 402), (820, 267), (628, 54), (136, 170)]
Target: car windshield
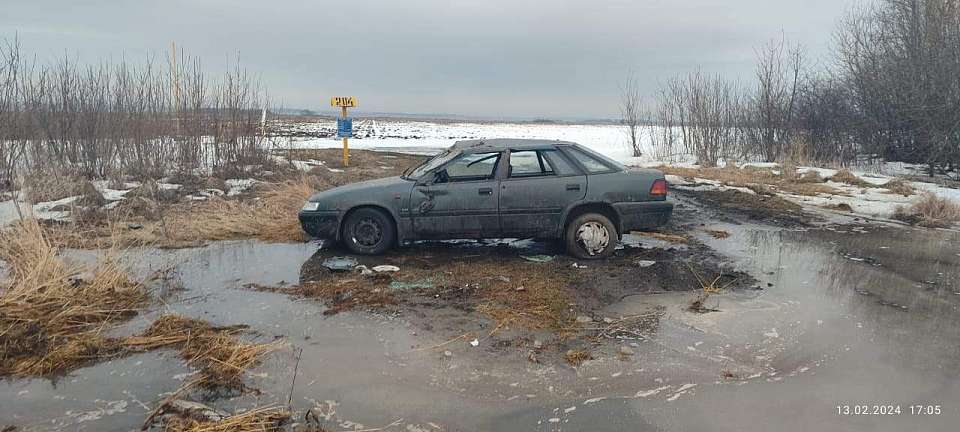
[(430, 164)]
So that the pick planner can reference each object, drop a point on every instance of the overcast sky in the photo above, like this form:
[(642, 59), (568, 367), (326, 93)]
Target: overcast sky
[(509, 58)]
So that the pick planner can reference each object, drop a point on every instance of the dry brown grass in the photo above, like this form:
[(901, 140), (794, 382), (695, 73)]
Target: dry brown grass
[(272, 216), (52, 313), (899, 186), (342, 294), (751, 177), (717, 234), (221, 357), (846, 176), (266, 419), (669, 238), (930, 211), (576, 357), (52, 187)]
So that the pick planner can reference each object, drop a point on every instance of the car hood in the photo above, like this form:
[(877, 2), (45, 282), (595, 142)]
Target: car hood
[(362, 192)]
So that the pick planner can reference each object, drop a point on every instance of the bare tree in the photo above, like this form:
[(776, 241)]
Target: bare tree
[(772, 106), (631, 112)]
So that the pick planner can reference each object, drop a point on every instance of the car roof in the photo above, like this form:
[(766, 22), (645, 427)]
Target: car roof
[(498, 144)]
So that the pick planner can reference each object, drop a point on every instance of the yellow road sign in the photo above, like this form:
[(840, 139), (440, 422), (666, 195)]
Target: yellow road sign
[(343, 101)]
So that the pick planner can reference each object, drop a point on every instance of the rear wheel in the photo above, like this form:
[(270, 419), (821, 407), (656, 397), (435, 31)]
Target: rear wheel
[(368, 231), (591, 236)]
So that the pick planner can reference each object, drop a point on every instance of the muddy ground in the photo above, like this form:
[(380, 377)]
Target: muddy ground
[(816, 311)]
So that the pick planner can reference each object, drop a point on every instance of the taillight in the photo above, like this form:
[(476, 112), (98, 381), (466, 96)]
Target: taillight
[(659, 188)]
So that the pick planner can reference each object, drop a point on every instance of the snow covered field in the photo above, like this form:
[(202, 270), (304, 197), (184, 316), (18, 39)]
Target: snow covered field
[(426, 137)]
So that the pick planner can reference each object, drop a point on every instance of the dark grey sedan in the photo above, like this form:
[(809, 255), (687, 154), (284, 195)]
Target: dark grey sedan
[(494, 189)]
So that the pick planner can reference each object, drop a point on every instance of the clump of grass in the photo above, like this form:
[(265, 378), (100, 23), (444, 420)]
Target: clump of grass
[(929, 211), (51, 187), (221, 357), (839, 207), (576, 357), (899, 186), (265, 419), (52, 313), (717, 234), (846, 176)]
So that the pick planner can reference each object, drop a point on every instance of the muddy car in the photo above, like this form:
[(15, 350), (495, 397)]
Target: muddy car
[(498, 188)]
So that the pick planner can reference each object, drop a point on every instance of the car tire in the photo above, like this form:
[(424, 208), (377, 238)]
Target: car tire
[(368, 231), (591, 236)]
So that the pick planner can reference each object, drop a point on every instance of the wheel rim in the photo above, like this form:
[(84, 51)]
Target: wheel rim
[(367, 232), (593, 237)]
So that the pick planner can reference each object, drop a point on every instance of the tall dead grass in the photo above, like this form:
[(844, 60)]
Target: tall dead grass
[(271, 216), (52, 313), (930, 211)]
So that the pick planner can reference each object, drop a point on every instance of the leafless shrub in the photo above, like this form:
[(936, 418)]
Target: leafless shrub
[(115, 120), (706, 111), (899, 59), (632, 112)]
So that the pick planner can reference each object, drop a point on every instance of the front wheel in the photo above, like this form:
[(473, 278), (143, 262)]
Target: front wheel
[(368, 231), (591, 236)]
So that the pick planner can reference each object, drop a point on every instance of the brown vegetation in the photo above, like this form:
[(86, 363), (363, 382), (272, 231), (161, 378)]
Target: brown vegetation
[(576, 357), (930, 211), (265, 419), (221, 357), (899, 186), (518, 292), (846, 176), (53, 314), (272, 216), (750, 177)]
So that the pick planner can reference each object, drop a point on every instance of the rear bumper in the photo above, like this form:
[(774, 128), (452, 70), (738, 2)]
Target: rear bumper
[(320, 224), (643, 215)]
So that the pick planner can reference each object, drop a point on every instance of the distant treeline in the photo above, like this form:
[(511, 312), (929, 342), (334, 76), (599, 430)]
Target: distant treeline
[(117, 119), (890, 91)]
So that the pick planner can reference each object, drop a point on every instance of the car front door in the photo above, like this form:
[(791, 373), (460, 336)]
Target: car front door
[(538, 186), (460, 200)]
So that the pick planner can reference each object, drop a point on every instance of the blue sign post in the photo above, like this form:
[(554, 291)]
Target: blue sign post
[(344, 127), (344, 123)]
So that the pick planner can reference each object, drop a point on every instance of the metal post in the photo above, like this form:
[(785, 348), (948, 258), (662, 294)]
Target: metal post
[(346, 147)]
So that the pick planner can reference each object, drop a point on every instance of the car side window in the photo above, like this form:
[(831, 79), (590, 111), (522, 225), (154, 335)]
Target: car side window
[(469, 167), (561, 165), (592, 164), (529, 163)]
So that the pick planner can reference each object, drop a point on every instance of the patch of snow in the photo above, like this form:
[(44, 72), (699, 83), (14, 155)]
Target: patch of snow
[(238, 186)]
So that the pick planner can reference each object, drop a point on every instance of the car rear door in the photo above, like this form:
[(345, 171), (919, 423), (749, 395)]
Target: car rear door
[(462, 202), (538, 186)]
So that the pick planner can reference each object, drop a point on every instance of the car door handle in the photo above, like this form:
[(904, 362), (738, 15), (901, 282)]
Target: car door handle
[(485, 191), (573, 187)]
